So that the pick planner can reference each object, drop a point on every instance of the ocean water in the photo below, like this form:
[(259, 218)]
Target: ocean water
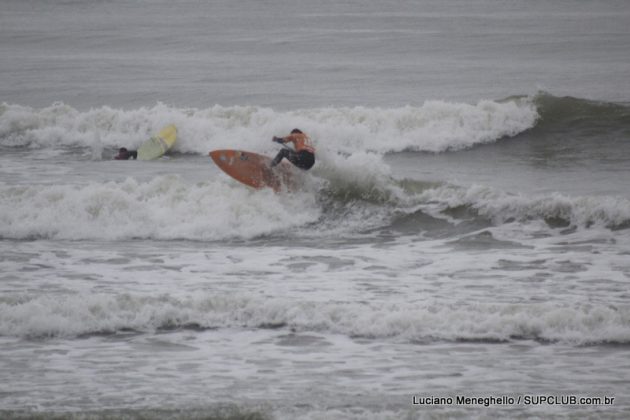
[(461, 248)]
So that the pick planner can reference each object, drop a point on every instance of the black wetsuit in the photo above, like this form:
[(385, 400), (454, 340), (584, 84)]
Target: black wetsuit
[(302, 159), (127, 154)]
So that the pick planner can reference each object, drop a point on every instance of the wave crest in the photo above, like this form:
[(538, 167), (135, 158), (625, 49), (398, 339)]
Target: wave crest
[(435, 126), (556, 209)]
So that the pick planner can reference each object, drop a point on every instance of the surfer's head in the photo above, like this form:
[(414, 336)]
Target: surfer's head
[(296, 130), (123, 154)]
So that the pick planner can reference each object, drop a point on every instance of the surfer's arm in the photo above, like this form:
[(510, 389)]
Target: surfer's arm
[(288, 139)]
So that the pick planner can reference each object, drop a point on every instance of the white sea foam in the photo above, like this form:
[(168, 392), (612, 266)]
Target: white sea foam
[(169, 207), (435, 126), (163, 208), (78, 314)]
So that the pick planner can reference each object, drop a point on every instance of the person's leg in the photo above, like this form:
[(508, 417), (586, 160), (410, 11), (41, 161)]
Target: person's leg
[(278, 158), (305, 160), (284, 153)]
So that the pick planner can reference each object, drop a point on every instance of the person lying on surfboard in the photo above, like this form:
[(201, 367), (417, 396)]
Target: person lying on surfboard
[(304, 154), (124, 154)]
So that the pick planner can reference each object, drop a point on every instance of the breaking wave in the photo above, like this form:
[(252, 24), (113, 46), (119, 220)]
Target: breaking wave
[(76, 315), (169, 208), (436, 126)]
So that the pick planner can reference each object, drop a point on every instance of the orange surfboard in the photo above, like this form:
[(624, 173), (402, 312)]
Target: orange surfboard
[(253, 169)]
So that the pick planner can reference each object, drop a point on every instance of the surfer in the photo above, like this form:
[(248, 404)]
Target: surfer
[(304, 154), (124, 154)]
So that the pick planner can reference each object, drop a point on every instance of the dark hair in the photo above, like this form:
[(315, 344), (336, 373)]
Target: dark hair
[(296, 130), (122, 150)]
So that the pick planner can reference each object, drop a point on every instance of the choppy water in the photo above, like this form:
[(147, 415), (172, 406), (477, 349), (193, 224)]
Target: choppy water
[(465, 231)]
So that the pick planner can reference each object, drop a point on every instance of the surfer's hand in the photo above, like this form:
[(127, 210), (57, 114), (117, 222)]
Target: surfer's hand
[(277, 139)]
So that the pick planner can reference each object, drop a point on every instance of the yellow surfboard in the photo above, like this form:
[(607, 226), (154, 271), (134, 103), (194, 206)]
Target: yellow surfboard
[(253, 169), (156, 146)]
